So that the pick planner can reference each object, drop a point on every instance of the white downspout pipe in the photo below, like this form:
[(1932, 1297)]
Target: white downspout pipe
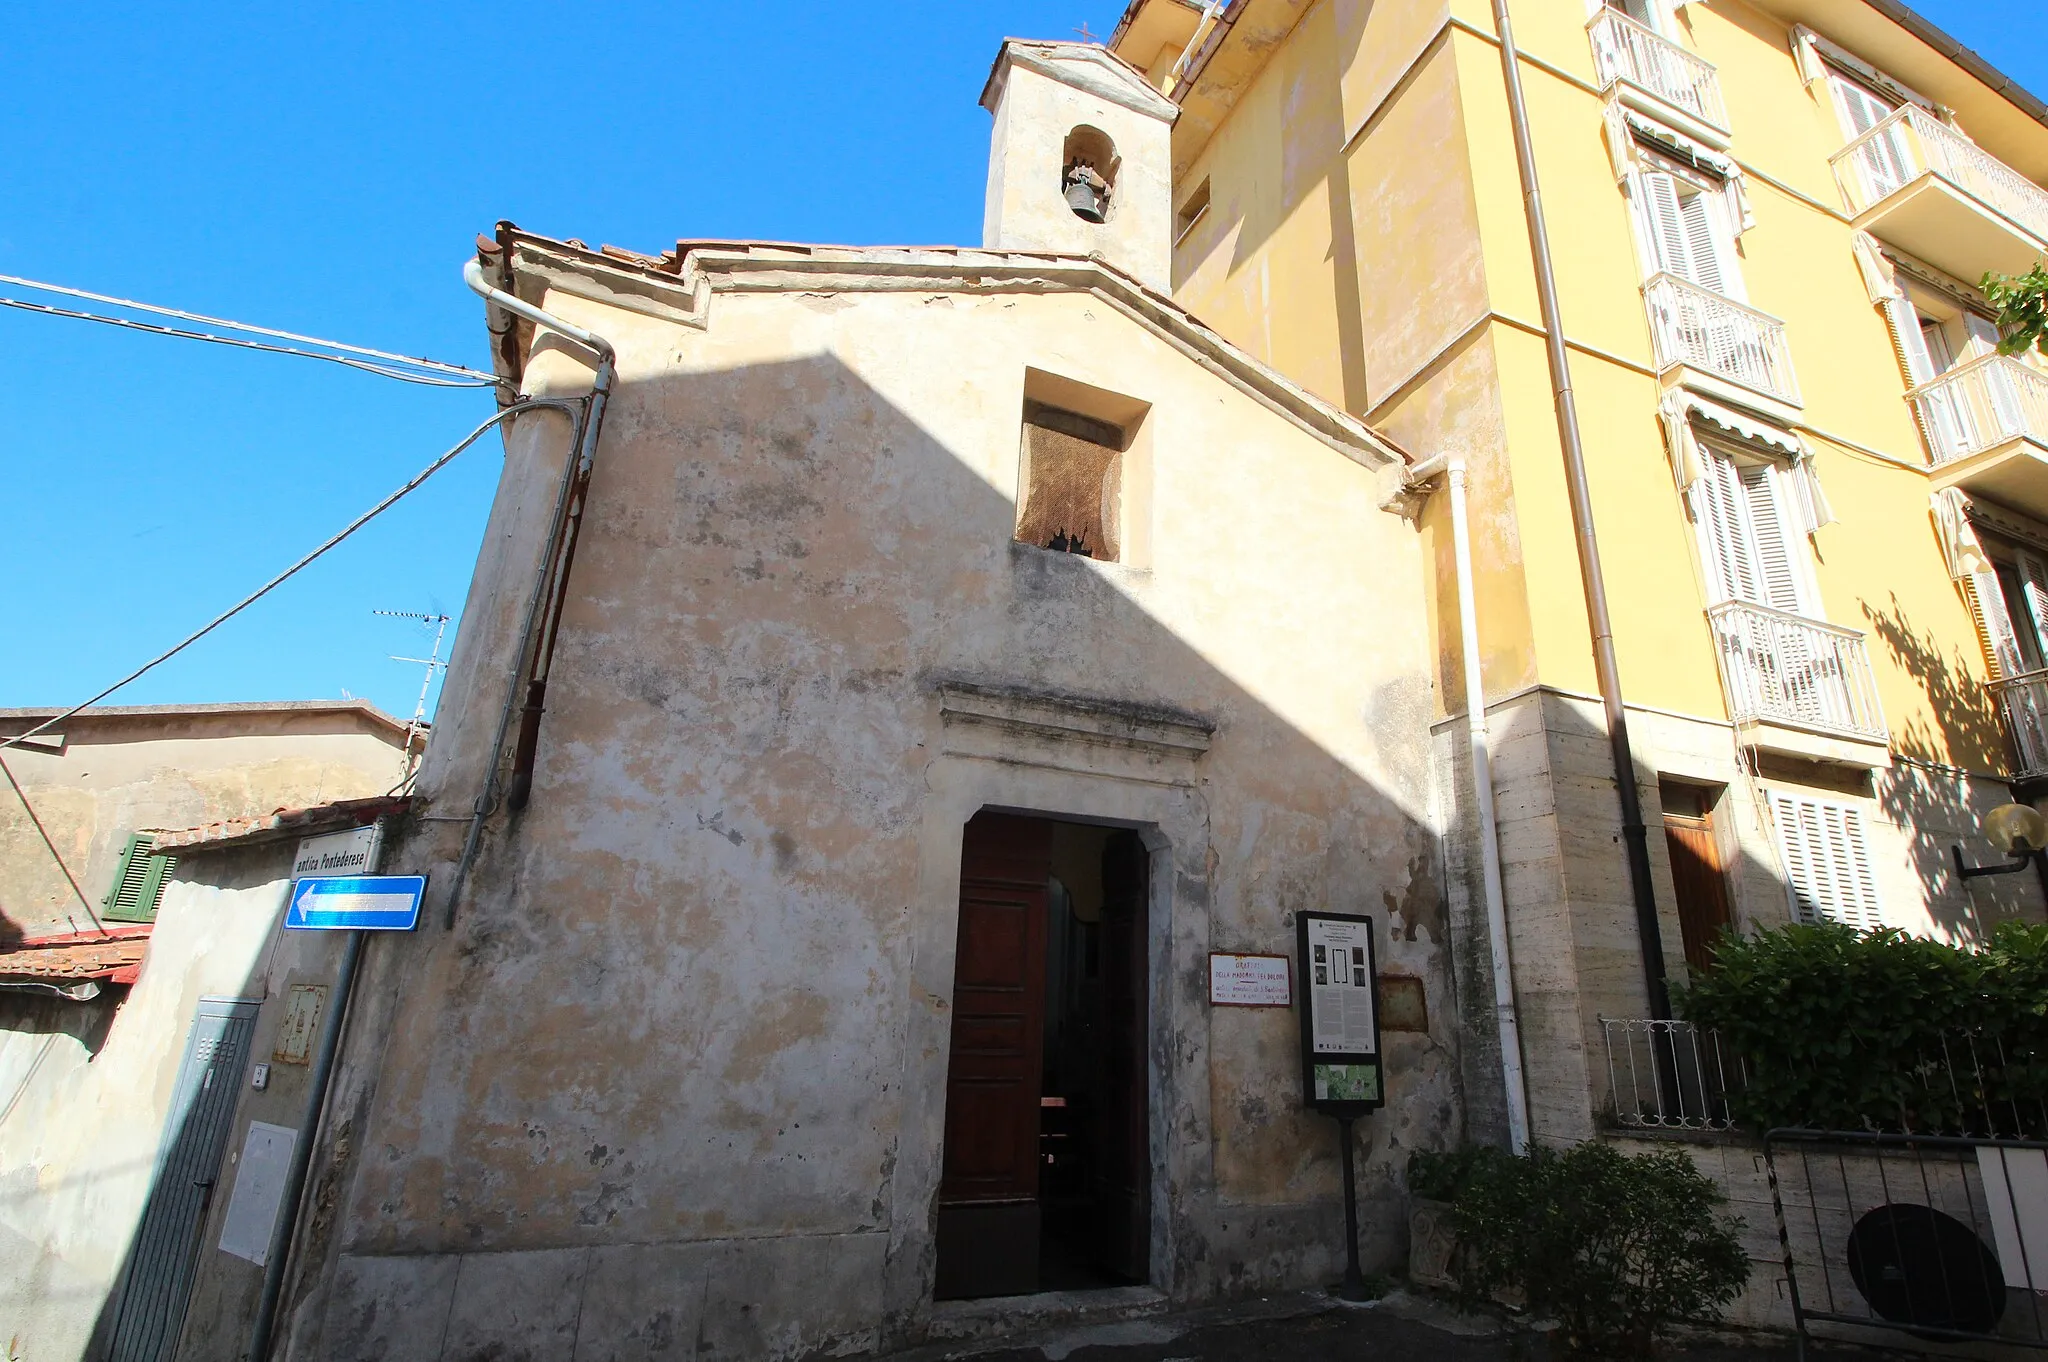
[(1506, 1019)]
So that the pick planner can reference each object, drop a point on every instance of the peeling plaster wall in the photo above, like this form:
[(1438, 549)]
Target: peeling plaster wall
[(678, 1074), (85, 1090)]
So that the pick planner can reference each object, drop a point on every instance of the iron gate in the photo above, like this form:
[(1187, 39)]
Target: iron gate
[(1939, 1237), (158, 1282)]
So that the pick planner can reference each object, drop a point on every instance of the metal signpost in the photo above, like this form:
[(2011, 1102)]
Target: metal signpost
[(1340, 1046)]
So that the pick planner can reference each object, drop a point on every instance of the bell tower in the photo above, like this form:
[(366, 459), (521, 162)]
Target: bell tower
[(1081, 162)]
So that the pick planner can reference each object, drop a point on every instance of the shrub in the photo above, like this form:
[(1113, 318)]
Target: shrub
[(1614, 1248), (1845, 1030)]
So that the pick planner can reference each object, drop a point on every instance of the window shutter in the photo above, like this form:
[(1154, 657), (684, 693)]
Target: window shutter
[(138, 882), (1777, 582), (1696, 211), (2035, 574), (1734, 563), (1664, 219), (1827, 861), (1994, 626)]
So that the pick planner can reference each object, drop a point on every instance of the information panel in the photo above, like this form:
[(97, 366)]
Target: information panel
[(1340, 1034)]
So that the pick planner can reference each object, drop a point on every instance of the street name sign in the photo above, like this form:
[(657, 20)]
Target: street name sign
[(366, 903)]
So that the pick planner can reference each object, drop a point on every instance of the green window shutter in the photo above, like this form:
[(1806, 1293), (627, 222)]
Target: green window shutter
[(138, 882)]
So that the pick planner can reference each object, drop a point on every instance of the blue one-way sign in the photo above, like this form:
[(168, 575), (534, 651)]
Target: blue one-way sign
[(368, 903)]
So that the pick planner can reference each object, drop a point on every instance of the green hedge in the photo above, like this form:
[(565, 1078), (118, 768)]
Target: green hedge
[(1614, 1248), (1881, 1031)]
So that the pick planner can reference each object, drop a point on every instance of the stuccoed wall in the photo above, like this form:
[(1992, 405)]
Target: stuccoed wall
[(126, 770), (85, 1089), (679, 1071)]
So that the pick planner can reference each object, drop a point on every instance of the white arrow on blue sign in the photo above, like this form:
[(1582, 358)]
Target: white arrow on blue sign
[(367, 903)]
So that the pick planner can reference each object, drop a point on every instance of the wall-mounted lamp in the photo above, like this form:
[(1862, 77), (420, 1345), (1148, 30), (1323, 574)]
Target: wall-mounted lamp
[(2021, 830)]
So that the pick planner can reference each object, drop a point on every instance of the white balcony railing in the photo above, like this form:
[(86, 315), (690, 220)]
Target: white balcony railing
[(2023, 700), (1624, 50), (1913, 142), (1981, 405), (1786, 669), (1698, 327)]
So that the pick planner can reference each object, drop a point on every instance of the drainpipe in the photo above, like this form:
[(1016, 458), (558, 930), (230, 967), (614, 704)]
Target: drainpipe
[(1634, 835), (544, 607), (1505, 1018)]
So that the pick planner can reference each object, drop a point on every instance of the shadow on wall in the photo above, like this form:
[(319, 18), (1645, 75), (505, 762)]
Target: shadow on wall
[(777, 565), (1929, 798)]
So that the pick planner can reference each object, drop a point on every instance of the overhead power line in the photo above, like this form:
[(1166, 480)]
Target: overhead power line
[(405, 368), (563, 404)]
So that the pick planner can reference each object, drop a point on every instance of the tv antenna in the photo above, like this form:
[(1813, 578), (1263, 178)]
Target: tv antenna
[(433, 663)]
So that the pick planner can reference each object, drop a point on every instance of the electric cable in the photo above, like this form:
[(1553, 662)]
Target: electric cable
[(411, 361), (55, 855), (431, 380), (563, 404)]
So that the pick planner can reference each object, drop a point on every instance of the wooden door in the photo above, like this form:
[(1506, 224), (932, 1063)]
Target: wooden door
[(1698, 876), (988, 1191), (1123, 1155)]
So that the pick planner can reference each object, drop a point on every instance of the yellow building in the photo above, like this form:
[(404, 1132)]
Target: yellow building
[(1816, 498)]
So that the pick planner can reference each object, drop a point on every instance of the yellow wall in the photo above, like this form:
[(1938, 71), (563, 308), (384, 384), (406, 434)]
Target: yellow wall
[(1418, 309)]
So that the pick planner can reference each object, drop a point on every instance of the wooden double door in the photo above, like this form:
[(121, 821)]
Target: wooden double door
[(992, 1214)]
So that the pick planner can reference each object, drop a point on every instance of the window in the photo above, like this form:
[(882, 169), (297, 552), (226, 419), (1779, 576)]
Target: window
[(1191, 211), (1644, 12), (1684, 225), (138, 882), (2012, 610), (1885, 162), (1827, 861), (1751, 556), (1070, 485)]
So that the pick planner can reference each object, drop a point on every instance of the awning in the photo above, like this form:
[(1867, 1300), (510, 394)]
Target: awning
[(1749, 429)]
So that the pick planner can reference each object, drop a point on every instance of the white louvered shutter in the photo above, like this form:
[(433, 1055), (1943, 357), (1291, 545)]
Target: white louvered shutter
[(1680, 220), (1994, 625), (1777, 581), (1696, 210), (2034, 573), (1733, 557), (1827, 861), (1882, 161)]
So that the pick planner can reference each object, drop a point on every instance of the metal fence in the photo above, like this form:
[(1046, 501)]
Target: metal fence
[(1943, 1238), (1777, 667), (1695, 326), (1913, 142), (1668, 1075), (1672, 1075), (1624, 50), (1980, 405)]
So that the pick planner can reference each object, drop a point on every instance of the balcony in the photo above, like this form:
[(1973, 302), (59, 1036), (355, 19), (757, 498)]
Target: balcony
[(1799, 686), (2023, 700), (1986, 424), (1720, 341), (1658, 77), (1919, 184)]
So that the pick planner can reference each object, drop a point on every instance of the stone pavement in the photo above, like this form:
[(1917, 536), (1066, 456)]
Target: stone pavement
[(1314, 1328)]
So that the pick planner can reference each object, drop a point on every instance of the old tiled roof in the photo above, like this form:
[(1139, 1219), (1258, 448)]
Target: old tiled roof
[(113, 958), (284, 823)]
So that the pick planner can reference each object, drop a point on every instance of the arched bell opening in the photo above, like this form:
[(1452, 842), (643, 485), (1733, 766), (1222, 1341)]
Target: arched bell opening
[(1088, 173)]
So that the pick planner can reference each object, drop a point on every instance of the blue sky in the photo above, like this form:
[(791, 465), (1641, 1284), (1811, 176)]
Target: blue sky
[(324, 168)]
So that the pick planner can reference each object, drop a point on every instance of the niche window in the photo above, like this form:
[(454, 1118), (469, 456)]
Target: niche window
[(1191, 211), (1088, 167), (1070, 484)]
